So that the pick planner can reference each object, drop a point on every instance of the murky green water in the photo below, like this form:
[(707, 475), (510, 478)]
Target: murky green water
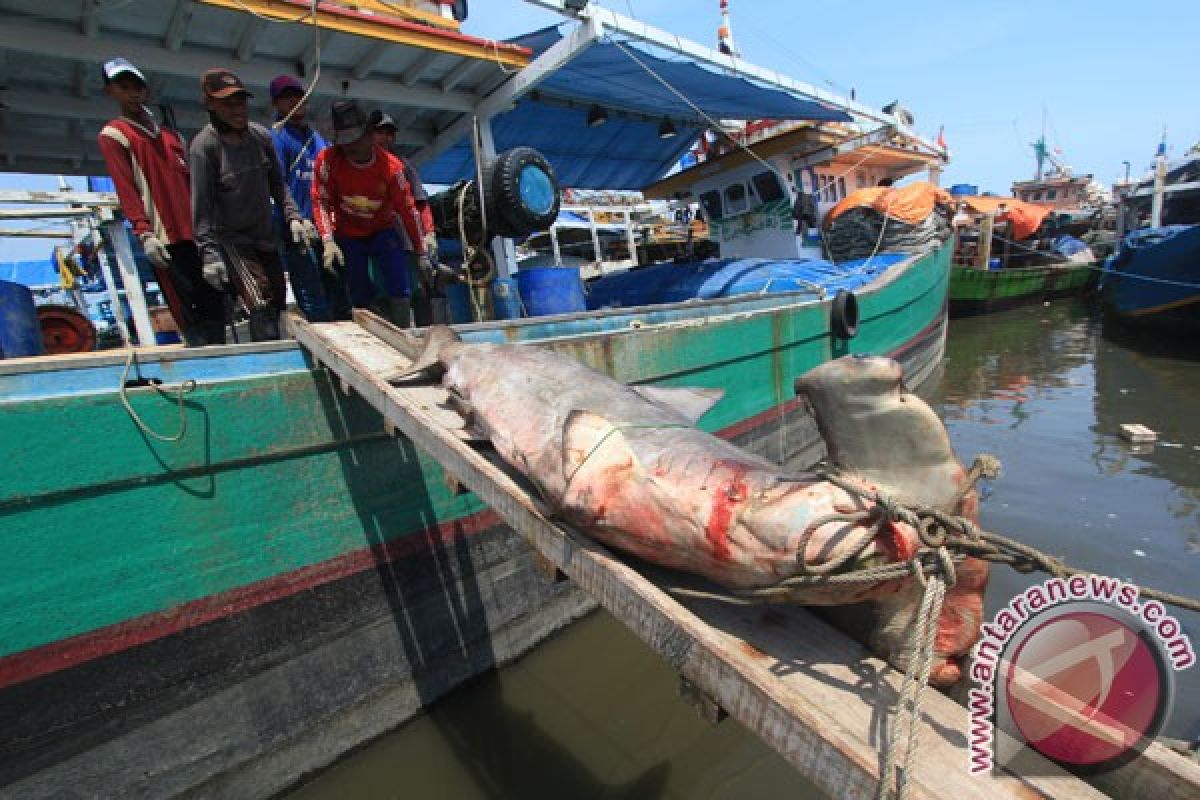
[(594, 714)]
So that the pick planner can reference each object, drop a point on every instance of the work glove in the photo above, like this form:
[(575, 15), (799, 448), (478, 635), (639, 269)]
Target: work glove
[(296, 226), (215, 273), (332, 258), (431, 247), (156, 251), (310, 232)]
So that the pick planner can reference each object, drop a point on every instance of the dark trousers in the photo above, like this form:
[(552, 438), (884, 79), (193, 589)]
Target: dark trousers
[(198, 309), (322, 297), (257, 280)]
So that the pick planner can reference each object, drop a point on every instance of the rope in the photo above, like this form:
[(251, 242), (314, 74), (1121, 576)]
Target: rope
[(184, 388), (316, 23), (916, 679)]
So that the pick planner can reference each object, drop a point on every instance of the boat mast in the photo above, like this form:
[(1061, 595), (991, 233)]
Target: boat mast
[(1160, 182), (725, 32)]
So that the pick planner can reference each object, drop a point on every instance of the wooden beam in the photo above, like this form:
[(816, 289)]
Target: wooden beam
[(370, 60), (417, 68), (458, 74), (89, 20), (792, 679), (248, 38), (178, 25)]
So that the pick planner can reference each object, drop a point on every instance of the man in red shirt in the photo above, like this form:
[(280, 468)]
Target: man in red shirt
[(148, 164), (361, 202)]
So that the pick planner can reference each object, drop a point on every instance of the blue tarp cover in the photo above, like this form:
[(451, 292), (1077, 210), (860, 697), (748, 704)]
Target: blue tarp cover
[(675, 283), (30, 273), (625, 152)]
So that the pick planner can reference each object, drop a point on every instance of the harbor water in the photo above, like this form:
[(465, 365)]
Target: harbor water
[(595, 714)]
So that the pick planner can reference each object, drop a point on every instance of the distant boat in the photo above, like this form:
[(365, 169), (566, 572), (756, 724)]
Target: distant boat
[(1154, 277)]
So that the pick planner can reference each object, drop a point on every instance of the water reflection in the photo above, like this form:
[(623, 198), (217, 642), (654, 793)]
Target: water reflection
[(1047, 389)]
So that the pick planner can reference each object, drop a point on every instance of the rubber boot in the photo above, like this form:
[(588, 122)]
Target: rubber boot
[(264, 325), (396, 311)]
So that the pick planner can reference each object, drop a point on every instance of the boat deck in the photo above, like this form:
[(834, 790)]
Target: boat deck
[(811, 693)]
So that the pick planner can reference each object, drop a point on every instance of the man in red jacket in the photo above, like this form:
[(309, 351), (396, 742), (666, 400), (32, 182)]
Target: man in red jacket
[(148, 164), (361, 201)]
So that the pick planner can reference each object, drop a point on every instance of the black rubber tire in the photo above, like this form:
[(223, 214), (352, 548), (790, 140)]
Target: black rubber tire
[(507, 213), (843, 315)]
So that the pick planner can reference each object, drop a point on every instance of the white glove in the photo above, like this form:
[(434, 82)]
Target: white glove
[(332, 258), (215, 274), (431, 246), (156, 251), (296, 226), (310, 232)]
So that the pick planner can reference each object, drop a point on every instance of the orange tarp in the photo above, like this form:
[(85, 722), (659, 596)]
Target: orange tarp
[(1025, 217), (915, 202), (911, 204)]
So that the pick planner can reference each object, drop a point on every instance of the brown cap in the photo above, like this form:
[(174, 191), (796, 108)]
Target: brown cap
[(221, 83)]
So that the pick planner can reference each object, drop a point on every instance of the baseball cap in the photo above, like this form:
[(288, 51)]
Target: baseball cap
[(349, 121), (221, 83), (118, 66), (285, 83), (380, 119)]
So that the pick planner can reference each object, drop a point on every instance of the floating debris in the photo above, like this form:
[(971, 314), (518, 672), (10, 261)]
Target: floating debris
[(1134, 432)]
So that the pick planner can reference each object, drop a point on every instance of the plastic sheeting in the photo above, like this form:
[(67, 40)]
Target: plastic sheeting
[(30, 273), (626, 152), (676, 283), (915, 202), (911, 204)]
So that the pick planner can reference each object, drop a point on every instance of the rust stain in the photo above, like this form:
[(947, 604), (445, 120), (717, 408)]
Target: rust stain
[(751, 650)]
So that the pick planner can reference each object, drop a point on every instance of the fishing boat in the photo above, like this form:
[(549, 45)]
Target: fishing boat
[(1153, 280), (224, 569), (1008, 254)]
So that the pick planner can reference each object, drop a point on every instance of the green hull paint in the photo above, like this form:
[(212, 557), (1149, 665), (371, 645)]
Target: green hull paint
[(974, 291), (101, 525)]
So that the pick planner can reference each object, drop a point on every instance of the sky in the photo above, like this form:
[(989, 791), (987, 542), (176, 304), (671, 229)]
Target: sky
[(1107, 75)]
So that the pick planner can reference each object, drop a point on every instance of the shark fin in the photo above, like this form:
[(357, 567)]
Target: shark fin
[(693, 402), (435, 340), (587, 436)]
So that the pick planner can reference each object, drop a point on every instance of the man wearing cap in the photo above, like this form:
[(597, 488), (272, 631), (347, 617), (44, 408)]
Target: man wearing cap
[(384, 129), (148, 165), (361, 202), (319, 294), (236, 176)]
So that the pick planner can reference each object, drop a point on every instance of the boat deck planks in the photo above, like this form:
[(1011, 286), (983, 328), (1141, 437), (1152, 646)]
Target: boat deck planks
[(810, 692)]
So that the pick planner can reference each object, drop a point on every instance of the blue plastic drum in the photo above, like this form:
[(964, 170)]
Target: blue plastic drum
[(551, 290), (20, 330)]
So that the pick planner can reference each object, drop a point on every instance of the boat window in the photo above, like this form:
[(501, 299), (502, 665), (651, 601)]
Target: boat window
[(860, 180), (767, 187), (841, 187), (712, 205), (1051, 194), (735, 198)]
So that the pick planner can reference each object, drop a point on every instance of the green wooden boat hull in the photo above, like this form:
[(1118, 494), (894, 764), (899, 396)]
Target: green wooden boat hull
[(286, 548), (977, 291)]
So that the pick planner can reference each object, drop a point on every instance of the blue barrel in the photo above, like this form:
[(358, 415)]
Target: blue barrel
[(960, 189), (506, 298), (551, 290), (20, 331), (458, 303), (993, 263)]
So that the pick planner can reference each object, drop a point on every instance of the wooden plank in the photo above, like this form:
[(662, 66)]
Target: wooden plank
[(806, 689)]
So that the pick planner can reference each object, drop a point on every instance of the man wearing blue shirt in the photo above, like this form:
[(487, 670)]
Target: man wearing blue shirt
[(320, 294)]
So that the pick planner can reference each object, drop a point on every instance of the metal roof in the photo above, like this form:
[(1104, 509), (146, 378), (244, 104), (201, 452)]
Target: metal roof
[(53, 101)]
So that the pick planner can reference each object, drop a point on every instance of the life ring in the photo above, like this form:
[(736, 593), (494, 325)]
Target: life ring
[(843, 315)]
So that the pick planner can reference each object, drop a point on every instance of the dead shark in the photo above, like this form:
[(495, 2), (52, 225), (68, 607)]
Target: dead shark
[(627, 466)]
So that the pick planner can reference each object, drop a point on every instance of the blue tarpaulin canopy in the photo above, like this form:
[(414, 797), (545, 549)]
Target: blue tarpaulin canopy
[(30, 273), (626, 152)]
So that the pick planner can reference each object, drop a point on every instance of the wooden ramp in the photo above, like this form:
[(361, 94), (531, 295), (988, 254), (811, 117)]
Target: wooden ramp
[(814, 695)]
